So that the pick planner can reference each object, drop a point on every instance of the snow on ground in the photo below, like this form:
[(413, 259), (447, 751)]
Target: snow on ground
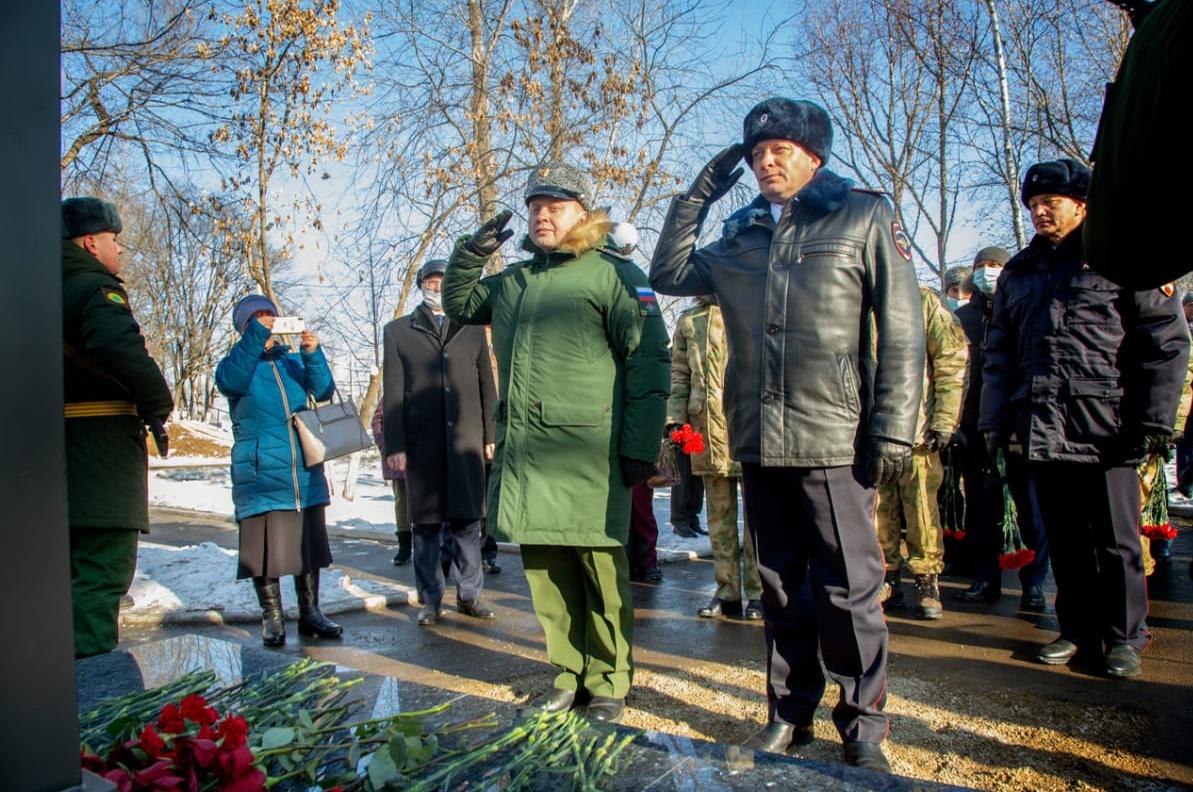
[(198, 583)]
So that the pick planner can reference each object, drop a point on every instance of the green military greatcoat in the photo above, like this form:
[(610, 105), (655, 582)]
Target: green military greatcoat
[(584, 372)]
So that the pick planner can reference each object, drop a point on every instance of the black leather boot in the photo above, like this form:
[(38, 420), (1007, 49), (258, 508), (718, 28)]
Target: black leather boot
[(403, 556), (273, 623), (311, 620)]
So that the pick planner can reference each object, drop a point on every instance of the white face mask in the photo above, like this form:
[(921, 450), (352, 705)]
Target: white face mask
[(432, 300), (985, 279)]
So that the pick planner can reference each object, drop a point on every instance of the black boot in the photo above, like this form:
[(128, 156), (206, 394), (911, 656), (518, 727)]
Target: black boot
[(273, 623), (403, 556), (311, 620)]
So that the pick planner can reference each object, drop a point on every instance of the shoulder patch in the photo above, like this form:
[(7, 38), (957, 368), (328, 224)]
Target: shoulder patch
[(114, 296), (902, 243), (648, 303), (1168, 289)]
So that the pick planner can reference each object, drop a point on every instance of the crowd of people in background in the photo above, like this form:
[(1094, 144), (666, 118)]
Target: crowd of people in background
[(1031, 398)]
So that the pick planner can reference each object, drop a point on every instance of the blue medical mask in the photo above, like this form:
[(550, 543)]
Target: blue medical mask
[(985, 279), (954, 303)]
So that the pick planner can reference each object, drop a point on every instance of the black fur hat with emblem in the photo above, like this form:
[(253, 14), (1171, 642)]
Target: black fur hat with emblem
[(1056, 177), (87, 215), (799, 120)]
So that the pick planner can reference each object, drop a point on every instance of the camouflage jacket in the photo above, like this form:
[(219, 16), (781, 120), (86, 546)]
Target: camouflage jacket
[(944, 370), (698, 356)]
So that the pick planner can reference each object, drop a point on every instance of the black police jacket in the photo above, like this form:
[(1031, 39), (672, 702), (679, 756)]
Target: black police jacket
[(823, 318), (1077, 368)]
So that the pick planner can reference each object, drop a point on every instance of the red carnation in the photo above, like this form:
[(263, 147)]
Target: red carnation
[(194, 708), (93, 763), (688, 439), (251, 781), (235, 730), (1154, 532), (151, 743), (170, 720), (958, 535)]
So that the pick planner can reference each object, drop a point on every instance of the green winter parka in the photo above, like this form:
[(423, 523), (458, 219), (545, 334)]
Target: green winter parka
[(583, 374), (106, 362)]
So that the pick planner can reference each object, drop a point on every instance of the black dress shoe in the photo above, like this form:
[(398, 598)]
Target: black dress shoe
[(719, 607), (699, 530), (476, 609), (491, 567), (753, 610), (867, 755), (980, 591), (558, 700), (428, 615), (605, 708), (684, 531), (1124, 661), (1033, 599), (777, 737), (1058, 652)]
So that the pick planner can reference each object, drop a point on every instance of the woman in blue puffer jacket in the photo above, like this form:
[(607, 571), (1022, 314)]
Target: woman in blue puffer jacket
[(279, 500)]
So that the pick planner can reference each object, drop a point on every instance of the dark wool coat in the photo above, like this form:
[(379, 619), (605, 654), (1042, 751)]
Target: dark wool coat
[(584, 371), (264, 390), (106, 361), (439, 400), (1077, 367), (974, 317)]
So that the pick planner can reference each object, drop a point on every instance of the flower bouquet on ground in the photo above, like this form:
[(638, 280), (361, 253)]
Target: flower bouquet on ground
[(293, 730), (1153, 518), (1015, 553), (952, 504), (684, 440)]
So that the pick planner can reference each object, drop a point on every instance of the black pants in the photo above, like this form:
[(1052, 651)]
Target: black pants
[(462, 541), (821, 569), (984, 518), (1091, 515), (687, 495)]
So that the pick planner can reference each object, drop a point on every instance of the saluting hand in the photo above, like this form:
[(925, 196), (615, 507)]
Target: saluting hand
[(490, 236), (718, 176)]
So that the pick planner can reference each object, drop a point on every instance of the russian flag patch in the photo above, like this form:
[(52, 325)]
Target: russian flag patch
[(648, 303)]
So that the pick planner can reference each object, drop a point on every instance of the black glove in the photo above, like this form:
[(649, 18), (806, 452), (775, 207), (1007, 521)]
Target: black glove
[(490, 236), (1153, 442), (718, 176), (995, 442), (635, 471), (884, 461), (960, 440), (939, 441), (157, 428)]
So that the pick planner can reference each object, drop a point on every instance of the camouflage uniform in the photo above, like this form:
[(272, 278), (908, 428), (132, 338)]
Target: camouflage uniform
[(911, 502), (699, 353)]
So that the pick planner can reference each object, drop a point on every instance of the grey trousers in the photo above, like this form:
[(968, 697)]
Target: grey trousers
[(821, 569), (462, 542)]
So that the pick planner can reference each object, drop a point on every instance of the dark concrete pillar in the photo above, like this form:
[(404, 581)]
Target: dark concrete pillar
[(39, 740)]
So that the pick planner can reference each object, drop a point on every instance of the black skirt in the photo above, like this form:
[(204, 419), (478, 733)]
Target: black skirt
[(280, 543)]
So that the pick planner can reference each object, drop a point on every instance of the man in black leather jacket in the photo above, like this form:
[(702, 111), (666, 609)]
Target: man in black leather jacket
[(826, 339), (1085, 377)]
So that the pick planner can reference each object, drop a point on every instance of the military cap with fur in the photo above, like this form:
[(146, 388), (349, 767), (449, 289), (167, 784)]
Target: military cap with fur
[(999, 256), (87, 215), (956, 276), (559, 180), (798, 120), (431, 267), (1056, 177)]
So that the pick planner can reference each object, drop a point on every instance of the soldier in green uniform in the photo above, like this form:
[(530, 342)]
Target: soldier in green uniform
[(699, 354), (583, 368), (910, 503), (112, 389)]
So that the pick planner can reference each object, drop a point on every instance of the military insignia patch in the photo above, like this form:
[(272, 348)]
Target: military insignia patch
[(902, 243), (113, 296), (1168, 289), (648, 303)]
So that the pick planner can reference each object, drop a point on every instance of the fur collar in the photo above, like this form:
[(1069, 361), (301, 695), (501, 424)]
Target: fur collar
[(588, 235), (826, 192)]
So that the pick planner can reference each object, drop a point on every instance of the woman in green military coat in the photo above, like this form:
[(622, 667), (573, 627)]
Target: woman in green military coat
[(583, 369)]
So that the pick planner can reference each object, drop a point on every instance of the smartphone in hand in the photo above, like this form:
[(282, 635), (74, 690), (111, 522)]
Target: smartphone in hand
[(288, 325)]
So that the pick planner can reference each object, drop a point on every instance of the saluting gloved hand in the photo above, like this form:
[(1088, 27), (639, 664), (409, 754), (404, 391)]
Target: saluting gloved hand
[(718, 176), (635, 471), (490, 236), (884, 461)]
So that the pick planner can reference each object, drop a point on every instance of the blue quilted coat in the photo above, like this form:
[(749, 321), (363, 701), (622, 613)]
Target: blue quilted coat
[(263, 390)]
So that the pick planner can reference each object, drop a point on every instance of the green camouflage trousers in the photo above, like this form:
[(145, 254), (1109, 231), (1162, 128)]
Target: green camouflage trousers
[(720, 498), (910, 504)]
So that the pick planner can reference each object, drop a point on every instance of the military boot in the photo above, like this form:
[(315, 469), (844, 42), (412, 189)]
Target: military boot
[(891, 595), (273, 623), (311, 620), (927, 598), (403, 556)]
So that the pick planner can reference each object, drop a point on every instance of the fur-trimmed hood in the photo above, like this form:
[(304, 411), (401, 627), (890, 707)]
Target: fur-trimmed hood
[(591, 234), (826, 192)]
